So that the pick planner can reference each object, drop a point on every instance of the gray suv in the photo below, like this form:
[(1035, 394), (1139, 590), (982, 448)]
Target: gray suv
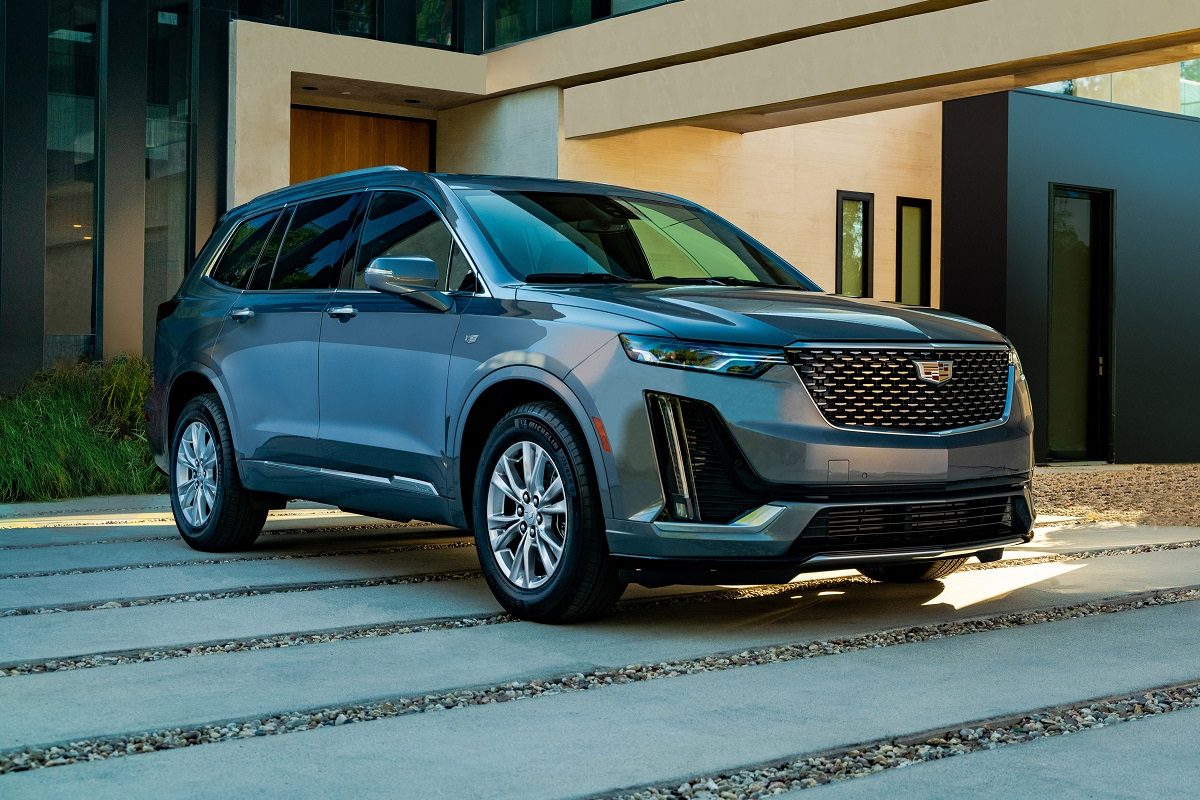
[(606, 385)]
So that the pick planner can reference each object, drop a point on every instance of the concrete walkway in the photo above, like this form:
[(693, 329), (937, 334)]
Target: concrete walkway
[(167, 656)]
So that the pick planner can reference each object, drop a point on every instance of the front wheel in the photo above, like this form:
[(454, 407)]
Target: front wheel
[(538, 525), (913, 572), (213, 511)]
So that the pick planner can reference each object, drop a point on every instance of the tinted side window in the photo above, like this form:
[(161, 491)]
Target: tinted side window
[(243, 250), (266, 262), (402, 224), (315, 245)]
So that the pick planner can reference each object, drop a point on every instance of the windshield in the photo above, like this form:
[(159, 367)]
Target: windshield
[(552, 237)]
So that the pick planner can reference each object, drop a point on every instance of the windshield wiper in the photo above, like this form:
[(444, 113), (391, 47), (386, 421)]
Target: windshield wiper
[(720, 280), (576, 277)]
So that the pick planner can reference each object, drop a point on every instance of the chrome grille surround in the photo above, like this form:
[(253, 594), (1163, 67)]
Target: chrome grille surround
[(878, 388)]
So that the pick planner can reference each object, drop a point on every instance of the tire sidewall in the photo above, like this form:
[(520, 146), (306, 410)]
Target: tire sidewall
[(197, 411), (529, 426)]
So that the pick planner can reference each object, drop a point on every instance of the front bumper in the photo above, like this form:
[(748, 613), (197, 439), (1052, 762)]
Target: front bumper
[(781, 539), (789, 468)]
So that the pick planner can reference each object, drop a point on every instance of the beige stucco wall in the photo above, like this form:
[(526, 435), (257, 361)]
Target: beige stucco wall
[(781, 185), (516, 134), (262, 59), (998, 40)]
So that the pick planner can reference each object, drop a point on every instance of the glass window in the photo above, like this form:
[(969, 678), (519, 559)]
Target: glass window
[(1189, 88), (70, 180), (402, 224), (854, 254), (243, 250), (435, 22), (632, 239), (354, 17), (261, 279), (509, 21), (264, 10), (167, 126), (315, 245), (913, 250)]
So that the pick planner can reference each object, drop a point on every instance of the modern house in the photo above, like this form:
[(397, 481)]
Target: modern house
[(888, 148)]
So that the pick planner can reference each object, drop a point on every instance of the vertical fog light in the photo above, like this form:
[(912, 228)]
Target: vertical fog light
[(678, 479)]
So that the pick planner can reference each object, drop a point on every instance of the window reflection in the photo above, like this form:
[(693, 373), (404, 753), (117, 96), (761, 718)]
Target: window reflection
[(71, 180)]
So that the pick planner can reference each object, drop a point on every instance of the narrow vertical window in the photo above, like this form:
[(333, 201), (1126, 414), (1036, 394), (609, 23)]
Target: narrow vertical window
[(913, 250), (856, 222)]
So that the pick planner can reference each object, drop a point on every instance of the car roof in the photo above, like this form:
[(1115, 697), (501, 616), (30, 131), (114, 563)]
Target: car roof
[(375, 177)]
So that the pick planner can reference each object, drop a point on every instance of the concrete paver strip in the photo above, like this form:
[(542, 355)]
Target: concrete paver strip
[(639, 733), (101, 586), (259, 682), (1153, 757), (1085, 537), (14, 538), (40, 637), (174, 551)]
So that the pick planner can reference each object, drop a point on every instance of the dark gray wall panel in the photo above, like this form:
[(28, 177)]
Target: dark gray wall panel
[(974, 207), (23, 193), (1151, 161)]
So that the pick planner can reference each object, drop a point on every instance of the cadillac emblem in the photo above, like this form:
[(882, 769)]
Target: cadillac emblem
[(935, 372)]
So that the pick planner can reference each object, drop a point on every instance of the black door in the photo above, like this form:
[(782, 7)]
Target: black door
[(1080, 313)]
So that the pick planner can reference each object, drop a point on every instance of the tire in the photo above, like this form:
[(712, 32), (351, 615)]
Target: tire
[(914, 572), (219, 515), (521, 569)]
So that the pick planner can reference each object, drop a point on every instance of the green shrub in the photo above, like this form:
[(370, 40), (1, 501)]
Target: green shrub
[(78, 430)]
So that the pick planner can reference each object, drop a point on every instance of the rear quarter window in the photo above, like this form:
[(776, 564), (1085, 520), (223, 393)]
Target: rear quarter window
[(242, 251)]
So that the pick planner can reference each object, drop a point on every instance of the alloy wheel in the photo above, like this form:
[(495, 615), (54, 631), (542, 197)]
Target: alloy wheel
[(527, 515), (196, 474)]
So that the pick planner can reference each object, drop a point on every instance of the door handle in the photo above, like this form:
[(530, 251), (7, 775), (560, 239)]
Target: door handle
[(242, 313), (342, 312)]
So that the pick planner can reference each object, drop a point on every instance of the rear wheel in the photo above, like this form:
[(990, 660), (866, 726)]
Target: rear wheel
[(213, 511), (538, 525), (913, 572)]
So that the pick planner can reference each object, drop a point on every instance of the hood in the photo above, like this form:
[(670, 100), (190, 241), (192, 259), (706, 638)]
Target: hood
[(750, 315)]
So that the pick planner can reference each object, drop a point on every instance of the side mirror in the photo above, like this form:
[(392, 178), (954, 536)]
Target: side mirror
[(412, 277)]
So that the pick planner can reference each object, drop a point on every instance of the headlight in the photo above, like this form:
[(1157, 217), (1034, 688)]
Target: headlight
[(746, 362), (1014, 360)]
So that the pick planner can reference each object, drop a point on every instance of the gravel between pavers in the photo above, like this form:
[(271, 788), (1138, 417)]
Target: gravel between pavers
[(1146, 494), (868, 759), (173, 738)]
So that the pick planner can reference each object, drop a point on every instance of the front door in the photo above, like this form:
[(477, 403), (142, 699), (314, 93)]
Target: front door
[(384, 362), (1079, 363)]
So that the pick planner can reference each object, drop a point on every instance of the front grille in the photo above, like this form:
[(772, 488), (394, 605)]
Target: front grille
[(880, 388), (909, 525)]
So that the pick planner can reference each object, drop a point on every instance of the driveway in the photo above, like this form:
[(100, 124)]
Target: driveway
[(349, 655)]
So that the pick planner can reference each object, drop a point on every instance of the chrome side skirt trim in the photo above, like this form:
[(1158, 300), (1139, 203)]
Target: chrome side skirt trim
[(395, 482), (414, 485)]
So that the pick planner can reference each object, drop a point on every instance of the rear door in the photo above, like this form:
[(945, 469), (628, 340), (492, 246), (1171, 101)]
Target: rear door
[(267, 352), (383, 369)]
